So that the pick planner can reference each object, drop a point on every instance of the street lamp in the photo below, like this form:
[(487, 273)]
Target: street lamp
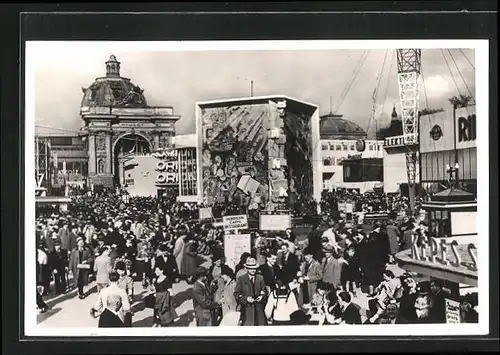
[(453, 170)]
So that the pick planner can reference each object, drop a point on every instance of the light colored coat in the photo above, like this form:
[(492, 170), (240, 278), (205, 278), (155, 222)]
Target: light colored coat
[(315, 274), (102, 267), (102, 298), (332, 270), (227, 300), (178, 253)]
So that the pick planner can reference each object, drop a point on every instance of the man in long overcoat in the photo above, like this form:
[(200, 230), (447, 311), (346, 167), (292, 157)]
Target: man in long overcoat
[(250, 293), (332, 267), (80, 256), (202, 299)]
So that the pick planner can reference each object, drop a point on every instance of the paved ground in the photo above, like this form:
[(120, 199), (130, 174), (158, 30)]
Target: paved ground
[(69, 311)]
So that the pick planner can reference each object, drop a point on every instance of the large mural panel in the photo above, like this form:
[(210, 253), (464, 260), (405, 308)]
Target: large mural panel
[(234, 144), (299, 148)]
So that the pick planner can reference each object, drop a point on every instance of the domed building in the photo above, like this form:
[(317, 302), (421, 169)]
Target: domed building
[(113, 90), (349, 160), (118, 123)]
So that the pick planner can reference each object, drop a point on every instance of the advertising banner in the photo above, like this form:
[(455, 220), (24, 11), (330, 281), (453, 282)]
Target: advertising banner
[(234, 246), (452, 311), (275, 221), (436, 130), (235, 222)]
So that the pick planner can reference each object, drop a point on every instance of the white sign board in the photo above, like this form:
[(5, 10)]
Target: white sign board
[(275, 222), (235, 222), (464, 223), (452, 311), (234, 246), (205, 213), (348, 208)]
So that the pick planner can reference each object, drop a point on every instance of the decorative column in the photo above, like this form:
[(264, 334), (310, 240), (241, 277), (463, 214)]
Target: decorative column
[(156, 140), (92, 158), (109, 154), (278, 184)]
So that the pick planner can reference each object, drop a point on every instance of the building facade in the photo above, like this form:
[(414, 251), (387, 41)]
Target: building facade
[(348, 159), (61, 159), (440, 134), (119, 122), (395, 174)]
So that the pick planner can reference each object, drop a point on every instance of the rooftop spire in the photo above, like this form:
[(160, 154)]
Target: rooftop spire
[(394, 114), (112, 67)]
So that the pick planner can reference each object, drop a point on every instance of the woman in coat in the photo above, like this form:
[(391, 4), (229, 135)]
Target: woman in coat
[(164, 311), (227, 301), (179, 251), (189, 260)]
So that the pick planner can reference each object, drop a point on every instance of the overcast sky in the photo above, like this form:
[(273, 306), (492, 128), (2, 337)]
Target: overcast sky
[(181, 78)]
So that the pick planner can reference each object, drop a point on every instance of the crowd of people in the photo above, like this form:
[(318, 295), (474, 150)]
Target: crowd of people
[(283, 279)]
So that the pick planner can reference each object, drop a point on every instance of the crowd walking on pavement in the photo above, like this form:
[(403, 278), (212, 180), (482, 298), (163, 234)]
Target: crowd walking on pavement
[(283, 280)]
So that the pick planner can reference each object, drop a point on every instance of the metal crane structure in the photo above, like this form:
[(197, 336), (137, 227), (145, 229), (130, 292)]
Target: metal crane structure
[(409, 68)]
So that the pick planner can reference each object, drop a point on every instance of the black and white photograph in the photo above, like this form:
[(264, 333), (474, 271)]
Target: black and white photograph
[(323, 187)]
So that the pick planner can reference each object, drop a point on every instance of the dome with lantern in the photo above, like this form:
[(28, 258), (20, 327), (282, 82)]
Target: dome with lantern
[(113, 90)]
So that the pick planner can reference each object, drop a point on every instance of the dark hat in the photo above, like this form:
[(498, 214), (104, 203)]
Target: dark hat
[(200, 272), (129, 237), (120, 265), (57, 242), (163, 247), (424, 287), (299, 317)]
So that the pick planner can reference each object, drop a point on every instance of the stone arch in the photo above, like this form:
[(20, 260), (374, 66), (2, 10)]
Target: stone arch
[(117, 139)]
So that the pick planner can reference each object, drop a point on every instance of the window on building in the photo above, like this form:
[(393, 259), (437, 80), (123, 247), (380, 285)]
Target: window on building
[(371, 147), (332, 146), (326, 161), (378, 147), (324, 147), (339, 147), (344, 146), (352, 147)]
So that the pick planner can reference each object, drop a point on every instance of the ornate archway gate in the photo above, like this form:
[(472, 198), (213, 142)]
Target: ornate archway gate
[(105, 126)]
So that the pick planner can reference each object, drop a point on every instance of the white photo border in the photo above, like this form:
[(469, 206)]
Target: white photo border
[(482, 108)]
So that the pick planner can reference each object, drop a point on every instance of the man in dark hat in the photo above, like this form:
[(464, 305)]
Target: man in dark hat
[(58, 262), (203, 303)]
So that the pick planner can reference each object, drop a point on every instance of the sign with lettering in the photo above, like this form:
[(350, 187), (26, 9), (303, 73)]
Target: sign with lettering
[(234, 246), (235, 222), (436, 130), (396, 141), (436, 250), (275, 221), (452, 311)]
